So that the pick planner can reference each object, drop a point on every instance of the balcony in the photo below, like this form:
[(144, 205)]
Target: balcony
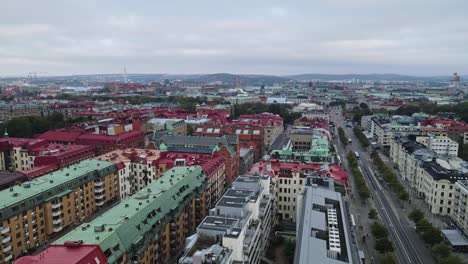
[(57, 229), (55, 206), (7, 249), (57, 221), (10, 257), (98, 184), (4, 230), (99, 197), (56, 213), (101, 203), (98, 190), (6, 240)]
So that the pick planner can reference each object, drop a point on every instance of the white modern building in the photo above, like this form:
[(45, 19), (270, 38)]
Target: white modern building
[(237, 230), (441, 145), (323, 230)]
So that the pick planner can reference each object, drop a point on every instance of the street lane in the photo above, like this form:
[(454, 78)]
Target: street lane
[(408, 247)]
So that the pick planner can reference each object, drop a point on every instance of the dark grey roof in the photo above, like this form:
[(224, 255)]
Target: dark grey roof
[(412, 146), (8, 179), (198, 141), (190, 150), (440, 173)]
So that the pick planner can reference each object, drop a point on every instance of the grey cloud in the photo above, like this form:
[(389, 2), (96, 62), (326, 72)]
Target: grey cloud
[(270, 37)]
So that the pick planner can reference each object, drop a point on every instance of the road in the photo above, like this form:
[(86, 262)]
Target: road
[(408, 246)]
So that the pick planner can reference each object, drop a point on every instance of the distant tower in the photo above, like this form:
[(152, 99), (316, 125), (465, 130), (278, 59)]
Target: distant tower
[(455, 80), (125, 74), (262, 89)]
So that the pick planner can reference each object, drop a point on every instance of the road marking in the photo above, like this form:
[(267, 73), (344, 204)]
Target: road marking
[(395, 233)]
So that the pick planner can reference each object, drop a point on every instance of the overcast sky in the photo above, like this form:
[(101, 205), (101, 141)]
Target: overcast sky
[(419, 37)]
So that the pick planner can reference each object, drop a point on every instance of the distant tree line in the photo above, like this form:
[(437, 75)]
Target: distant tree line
[(256, 108), (27, 127), (460, 110), (186, 103)]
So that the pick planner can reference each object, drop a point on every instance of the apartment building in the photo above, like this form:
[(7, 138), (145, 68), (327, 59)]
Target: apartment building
[(317, 142), (323, 229), (237, 230), (383, 128), (272, 125), (312, 123), (227, 147), (9, 111), (139, 168), (14, 152), (441, 145), (40, 209), (212, 165), (172, 126), (103, 140), (150, 226), (459, 212), (436, 186), (409, 155), (289, 180), (36, 157)]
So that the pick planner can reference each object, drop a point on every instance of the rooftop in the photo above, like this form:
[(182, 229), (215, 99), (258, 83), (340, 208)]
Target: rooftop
[(128, 223), (63, 136), (323, 212), (59, 254), (36, 189), (440, 173), (8, 178), (130, 154)]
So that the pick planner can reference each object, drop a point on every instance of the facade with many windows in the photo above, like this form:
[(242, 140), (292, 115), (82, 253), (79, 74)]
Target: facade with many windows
[(41, 208)]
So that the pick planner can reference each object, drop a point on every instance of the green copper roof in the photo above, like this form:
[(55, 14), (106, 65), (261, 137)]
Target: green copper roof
[(34, 192), (162, 146), (126, 227)]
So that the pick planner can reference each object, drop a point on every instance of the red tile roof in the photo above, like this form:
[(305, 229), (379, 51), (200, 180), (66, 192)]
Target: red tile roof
[(61, 136), (70, 254)]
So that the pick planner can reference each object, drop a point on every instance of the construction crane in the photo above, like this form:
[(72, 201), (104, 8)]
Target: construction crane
[(32, 75)]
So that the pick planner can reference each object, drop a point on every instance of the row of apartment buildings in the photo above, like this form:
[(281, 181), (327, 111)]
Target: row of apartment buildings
[(431, 175), (74, 192), (382, 128)]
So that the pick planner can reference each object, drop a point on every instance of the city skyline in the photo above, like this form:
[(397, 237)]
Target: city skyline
[(266, 37)]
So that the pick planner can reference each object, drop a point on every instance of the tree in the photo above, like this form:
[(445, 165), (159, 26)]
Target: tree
[(289, 249), (440, 251), (416, 215), (383, 245), (451, 260), (422, 226), (388, 258), (189, 130), (373, 214), (379, 230), (19, 127), (432, 236)]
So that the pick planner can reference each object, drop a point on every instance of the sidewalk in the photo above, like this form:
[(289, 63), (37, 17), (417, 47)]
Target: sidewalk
[(360, 212), (414, 202)]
